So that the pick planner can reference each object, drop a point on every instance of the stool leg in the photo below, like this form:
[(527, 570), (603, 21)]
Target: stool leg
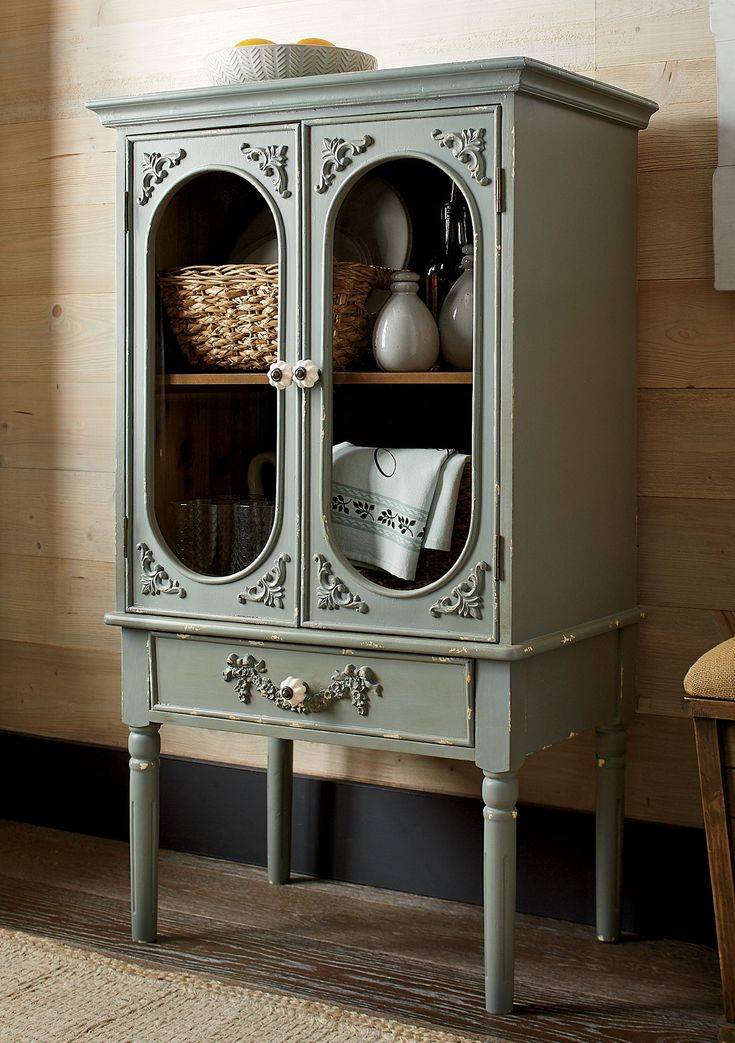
[(611, 745), (500, 793), (144, 745), (707, 731), (280, 787)]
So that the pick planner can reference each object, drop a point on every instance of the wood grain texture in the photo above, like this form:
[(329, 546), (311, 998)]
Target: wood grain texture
[(636, 31), (66, 249), (669, 641), (73, 596), (51, 685), (686, 555), (675, 224), (69, 338), (686, 332), (687, 443), (661, 775), (57, 514), (69, 162), (375, 950), (683, 133), (57, 426)]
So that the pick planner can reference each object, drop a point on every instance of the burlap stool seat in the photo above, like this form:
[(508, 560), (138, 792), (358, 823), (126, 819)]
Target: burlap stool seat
[(713, 674), (710, 699)]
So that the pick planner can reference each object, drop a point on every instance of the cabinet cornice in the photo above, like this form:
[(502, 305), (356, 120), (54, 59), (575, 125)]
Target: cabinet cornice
[(308, 96)]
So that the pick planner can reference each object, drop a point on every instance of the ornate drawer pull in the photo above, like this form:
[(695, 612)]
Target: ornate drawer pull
[(293, 690), (306, 373), (354, 683), (280, 375)]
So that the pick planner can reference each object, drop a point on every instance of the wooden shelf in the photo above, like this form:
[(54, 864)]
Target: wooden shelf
[(339, 377), (432, 377), (213, 379)]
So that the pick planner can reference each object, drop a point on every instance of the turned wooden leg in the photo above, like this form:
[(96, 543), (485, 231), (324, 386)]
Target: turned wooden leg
[(145, 747), (500, 793), (280, 786), (611, 745)]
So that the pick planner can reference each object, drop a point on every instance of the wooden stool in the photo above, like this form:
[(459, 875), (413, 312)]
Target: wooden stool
[(710, 699)]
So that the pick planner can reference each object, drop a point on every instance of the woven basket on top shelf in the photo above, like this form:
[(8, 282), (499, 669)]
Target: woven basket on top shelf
[(226, 316)]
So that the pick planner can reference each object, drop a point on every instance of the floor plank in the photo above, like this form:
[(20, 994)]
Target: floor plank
[(398, 955)]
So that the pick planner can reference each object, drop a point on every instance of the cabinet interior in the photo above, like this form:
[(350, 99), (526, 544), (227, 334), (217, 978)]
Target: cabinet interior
[(210, 423)]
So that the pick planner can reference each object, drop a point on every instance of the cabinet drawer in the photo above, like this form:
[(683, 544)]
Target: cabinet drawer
[(414, 697)]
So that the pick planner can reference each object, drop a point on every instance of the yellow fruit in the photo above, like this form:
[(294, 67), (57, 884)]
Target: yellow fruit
[(316, 42), (251, 43)]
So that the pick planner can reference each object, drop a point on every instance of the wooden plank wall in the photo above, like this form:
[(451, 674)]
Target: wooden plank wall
[(59, 665)]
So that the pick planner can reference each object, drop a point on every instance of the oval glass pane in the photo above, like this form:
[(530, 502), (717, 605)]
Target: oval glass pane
[(215, 253), (403, 363)]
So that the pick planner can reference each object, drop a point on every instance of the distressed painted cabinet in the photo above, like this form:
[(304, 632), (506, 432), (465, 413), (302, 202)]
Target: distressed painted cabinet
[(244, 600)]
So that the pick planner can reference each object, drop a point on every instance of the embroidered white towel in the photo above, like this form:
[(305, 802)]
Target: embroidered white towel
[(381, 502), (440, 525)]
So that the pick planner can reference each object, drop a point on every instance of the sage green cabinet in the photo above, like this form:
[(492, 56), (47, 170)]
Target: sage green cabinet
[(243, 602)]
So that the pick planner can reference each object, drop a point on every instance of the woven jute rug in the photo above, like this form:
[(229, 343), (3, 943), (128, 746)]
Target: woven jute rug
[(56, 993)]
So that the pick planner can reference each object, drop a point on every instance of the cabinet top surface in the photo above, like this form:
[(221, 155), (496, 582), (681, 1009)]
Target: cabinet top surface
[(438, 83)]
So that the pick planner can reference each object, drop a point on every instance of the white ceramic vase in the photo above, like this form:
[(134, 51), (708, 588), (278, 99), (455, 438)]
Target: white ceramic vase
[(406, 337), (457, 317)]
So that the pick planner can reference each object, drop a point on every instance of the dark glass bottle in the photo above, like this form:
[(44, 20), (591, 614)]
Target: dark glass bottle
[(446, 267)]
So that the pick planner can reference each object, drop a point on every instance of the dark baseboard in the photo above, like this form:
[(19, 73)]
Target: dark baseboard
[(421, 843)]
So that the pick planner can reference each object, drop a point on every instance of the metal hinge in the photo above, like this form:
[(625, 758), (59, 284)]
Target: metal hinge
[(499, 190), (498, 558), (126, 528), (126, 209)]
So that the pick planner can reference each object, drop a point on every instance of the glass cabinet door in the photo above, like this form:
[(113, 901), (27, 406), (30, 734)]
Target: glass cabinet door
[(402, 285), (215, 302)]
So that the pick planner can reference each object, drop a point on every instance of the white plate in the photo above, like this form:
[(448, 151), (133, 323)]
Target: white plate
[(258, 243), (265, 249), (373, 227), (374, 214)]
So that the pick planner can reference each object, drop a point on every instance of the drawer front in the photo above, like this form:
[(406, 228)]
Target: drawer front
[(414, 697)]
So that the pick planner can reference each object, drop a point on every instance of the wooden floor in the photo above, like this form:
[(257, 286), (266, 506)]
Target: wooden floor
[(392, 954)]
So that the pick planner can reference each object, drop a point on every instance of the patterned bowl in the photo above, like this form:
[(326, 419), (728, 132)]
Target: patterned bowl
[(279, 61)]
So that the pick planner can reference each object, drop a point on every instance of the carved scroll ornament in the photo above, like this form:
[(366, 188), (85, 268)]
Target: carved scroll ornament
[(270, 589), (354, 683), (154, 578), (155, 169), (465, 599), (332, 593), (336, 156), (468, 146), (271, 159)]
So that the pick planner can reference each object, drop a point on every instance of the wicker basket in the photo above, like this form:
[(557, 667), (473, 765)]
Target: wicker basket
[(226, 317), (433, 564)]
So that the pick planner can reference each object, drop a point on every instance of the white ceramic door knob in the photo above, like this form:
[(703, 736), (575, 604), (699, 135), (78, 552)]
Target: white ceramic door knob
[(305, 373), (280, 375)]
